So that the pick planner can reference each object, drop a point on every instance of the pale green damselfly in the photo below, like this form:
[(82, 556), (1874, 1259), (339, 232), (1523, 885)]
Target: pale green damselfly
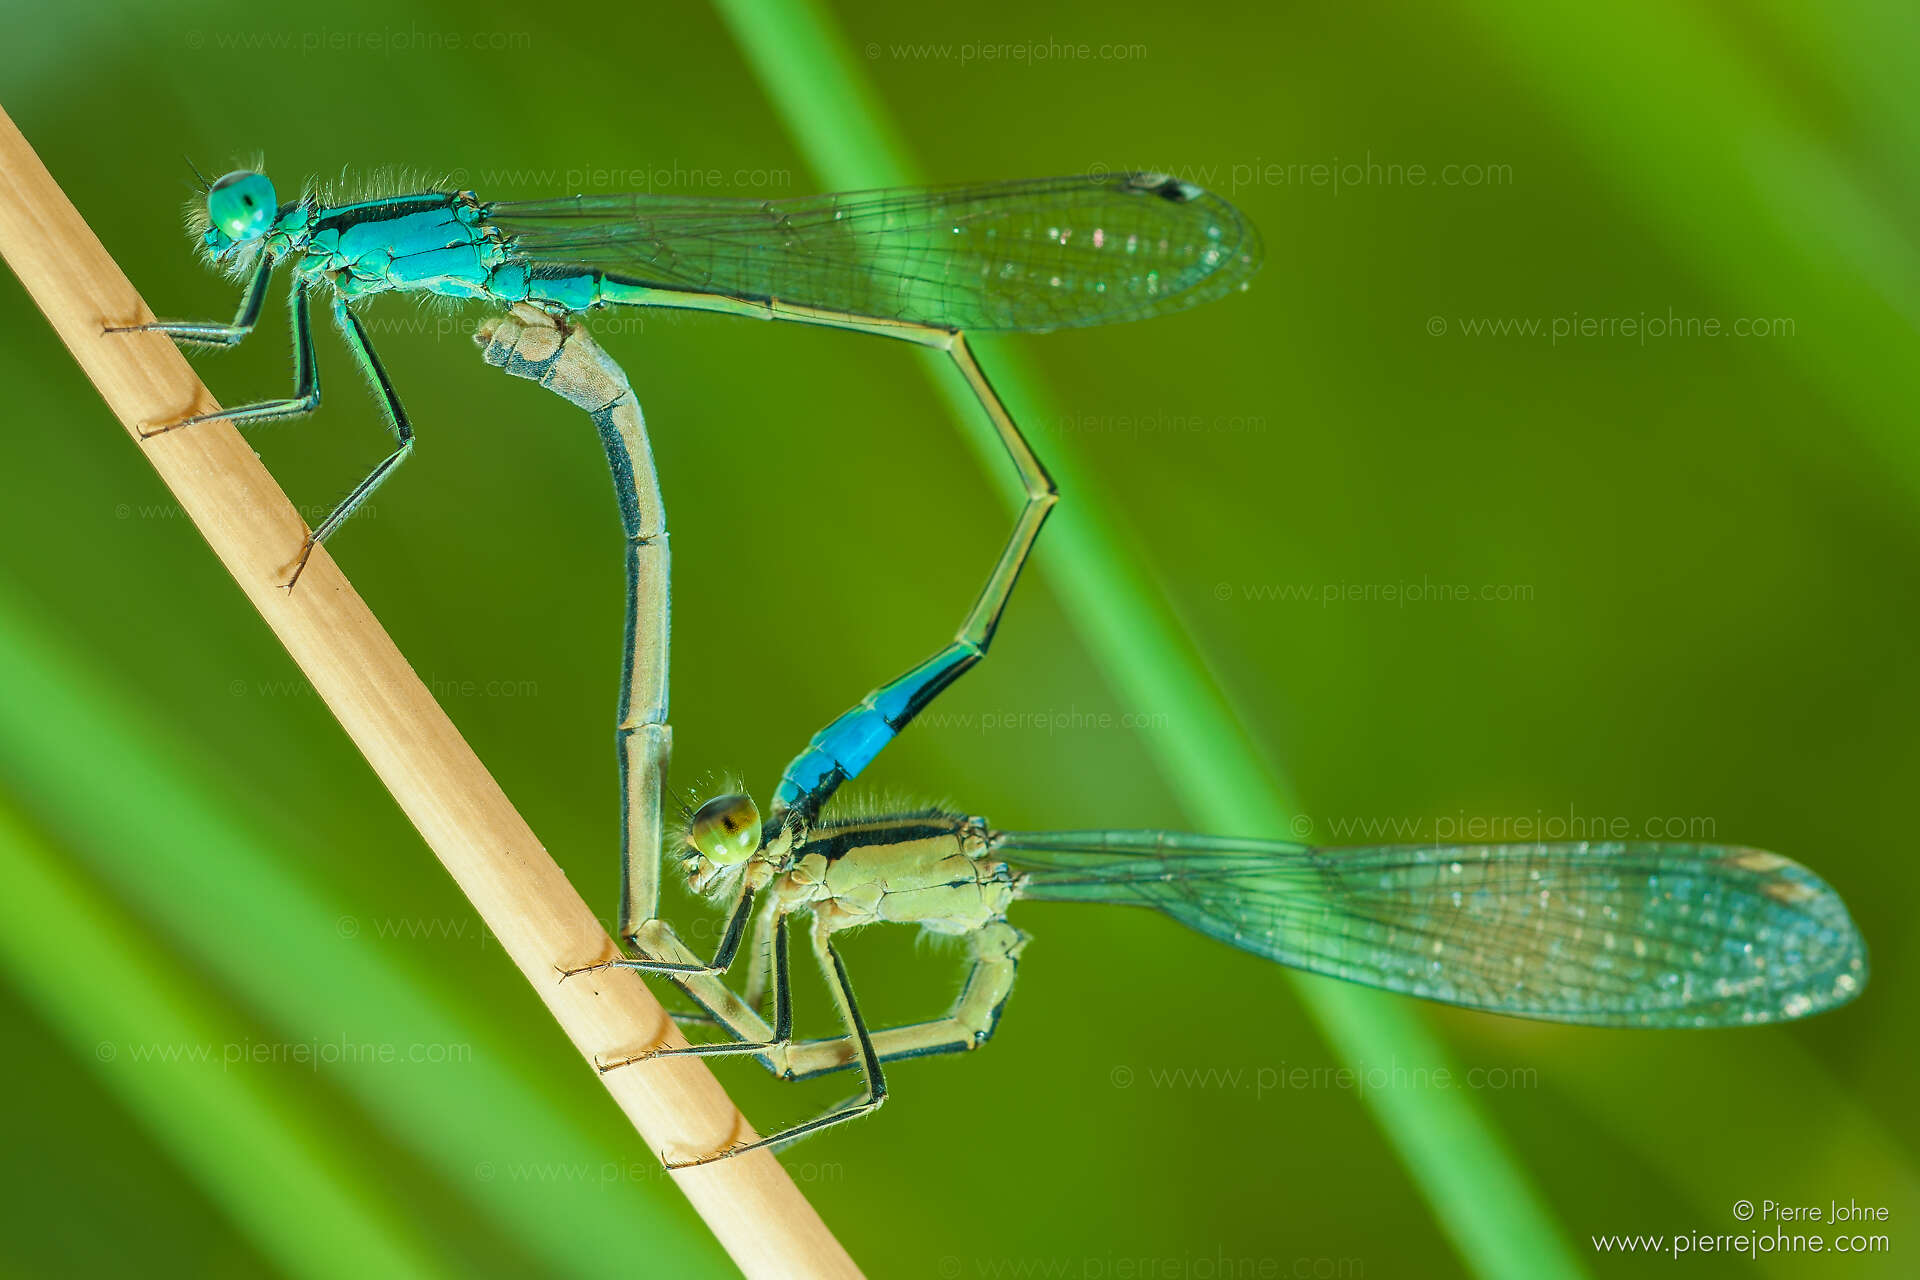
[(1625, 934)]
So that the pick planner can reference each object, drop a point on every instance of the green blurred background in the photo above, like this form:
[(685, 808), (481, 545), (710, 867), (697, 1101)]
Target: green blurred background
[(253, 1029)]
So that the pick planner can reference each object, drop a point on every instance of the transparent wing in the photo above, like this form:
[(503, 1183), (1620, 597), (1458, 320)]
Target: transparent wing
[(1048, 253), (1654, 935)]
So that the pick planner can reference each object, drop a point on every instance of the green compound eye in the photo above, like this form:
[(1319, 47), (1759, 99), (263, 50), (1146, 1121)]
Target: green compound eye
[(241, 205), (726, 829)]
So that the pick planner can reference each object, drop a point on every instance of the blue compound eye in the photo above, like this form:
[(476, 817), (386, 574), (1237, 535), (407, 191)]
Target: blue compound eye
[(241, 205)]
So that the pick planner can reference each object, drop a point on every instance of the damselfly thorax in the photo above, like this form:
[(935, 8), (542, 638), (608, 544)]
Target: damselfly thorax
[(930, 869), (443, 243)]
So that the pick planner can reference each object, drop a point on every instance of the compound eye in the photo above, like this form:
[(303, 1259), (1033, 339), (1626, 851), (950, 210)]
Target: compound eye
[(241, 205), (726, 829)]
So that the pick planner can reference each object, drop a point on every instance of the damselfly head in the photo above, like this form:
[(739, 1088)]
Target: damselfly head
[(240, 209)]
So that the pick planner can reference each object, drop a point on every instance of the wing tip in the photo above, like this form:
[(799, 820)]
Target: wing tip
[(1240, 251), (1826, 946)]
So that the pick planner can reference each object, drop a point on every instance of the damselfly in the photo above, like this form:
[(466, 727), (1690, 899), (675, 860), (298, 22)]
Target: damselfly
[(920, 265), (1619, 934)]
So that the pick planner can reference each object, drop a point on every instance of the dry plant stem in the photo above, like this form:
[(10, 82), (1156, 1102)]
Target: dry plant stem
[(525, 900)]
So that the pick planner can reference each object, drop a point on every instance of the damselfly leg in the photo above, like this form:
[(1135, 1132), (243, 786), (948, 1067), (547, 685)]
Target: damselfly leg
[(356, 335), (971, 1022), (744, 1041), (306, 389), (306, 373), (875, 1093), (212, 333)]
